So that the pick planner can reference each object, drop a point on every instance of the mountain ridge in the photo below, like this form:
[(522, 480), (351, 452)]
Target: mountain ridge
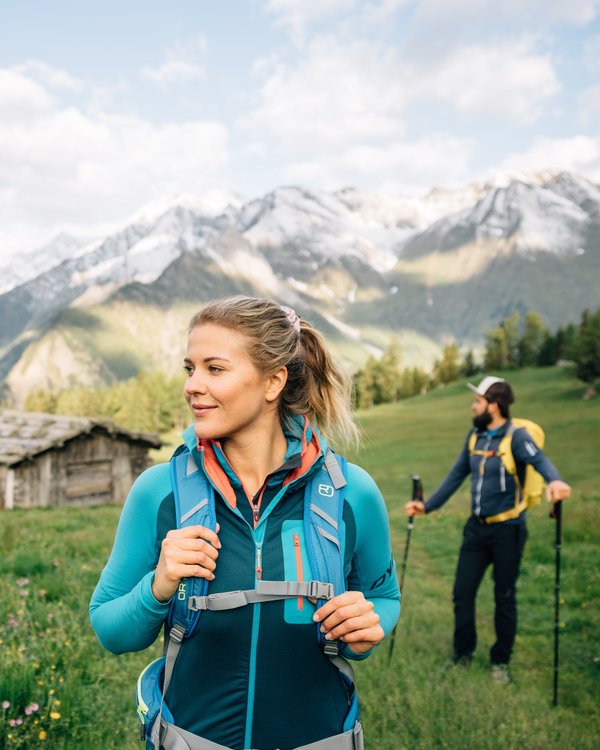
[(364, 265)]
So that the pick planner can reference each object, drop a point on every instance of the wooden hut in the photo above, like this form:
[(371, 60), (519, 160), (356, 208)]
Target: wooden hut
[(48, 460)]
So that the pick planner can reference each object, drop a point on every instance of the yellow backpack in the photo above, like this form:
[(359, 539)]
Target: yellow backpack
[(530, 494)]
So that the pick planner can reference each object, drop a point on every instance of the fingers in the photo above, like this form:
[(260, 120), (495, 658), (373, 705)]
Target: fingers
[(557, 490), (185, 553), (185, 549), (351, 618), (196, 545), (193, 532)]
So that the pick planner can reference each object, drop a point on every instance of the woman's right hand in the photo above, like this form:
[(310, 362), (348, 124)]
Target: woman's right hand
[(190, 552)]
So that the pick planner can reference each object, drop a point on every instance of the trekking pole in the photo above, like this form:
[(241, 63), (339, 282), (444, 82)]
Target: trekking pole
[(556, 513), (417, 494)]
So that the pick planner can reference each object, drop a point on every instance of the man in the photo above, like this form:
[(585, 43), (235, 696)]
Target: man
[(496, 532)]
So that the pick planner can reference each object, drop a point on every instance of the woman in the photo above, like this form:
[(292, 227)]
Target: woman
[(263, 391)]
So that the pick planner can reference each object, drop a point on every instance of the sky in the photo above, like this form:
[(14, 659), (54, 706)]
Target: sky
[(105, 107)]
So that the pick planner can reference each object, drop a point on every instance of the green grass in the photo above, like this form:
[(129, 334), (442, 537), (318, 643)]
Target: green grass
[(420, 700), (50, 561)]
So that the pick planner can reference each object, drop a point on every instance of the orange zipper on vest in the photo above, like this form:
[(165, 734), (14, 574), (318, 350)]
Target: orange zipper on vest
[(299, 567)]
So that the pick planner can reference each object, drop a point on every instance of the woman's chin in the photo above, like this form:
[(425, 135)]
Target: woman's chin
[(203, 432)]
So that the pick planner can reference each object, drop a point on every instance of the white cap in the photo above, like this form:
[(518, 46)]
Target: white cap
[(485, 384)]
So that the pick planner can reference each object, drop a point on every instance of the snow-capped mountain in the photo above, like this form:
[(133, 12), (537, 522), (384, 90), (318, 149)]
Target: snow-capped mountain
[(362, 265), (29, 265), (553, 216)]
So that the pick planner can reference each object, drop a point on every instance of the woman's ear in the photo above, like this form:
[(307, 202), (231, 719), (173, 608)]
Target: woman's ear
[(275, 384)]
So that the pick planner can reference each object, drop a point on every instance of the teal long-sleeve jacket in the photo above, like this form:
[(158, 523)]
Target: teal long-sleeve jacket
[(252, 677)]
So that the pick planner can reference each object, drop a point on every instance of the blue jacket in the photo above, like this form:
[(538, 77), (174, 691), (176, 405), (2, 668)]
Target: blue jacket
[(494, 491), (254, 676)]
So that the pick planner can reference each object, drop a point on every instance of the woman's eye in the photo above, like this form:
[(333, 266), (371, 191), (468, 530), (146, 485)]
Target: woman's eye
[(188, 369), (215, 369)]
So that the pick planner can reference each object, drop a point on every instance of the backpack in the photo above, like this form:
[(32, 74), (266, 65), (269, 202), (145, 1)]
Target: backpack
[(323, 506), (530, 494)]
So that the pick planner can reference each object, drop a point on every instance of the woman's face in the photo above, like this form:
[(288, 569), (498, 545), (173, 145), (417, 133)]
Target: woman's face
[(227, 394)]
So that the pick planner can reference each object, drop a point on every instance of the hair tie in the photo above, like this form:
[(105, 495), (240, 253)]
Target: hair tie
[(292, 317)]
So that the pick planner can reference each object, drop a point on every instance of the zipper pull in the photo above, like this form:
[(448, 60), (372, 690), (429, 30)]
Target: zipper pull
[(259, 569), (255, 513)]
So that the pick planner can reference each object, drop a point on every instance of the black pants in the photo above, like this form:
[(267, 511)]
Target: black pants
[(500, 545)]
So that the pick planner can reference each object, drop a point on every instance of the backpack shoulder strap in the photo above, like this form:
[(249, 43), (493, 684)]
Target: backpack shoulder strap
[(472, 441), (324, 534), (194, 505), (505, 450), (323, 508)]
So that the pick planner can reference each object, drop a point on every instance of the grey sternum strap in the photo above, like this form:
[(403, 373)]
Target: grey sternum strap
[(175, 738), (265, 591)]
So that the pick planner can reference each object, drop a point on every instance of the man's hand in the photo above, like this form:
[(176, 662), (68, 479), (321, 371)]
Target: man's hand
[(557, 491), (415, 508)]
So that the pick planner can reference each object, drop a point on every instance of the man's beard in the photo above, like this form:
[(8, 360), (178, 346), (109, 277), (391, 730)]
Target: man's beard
[(482, 421)]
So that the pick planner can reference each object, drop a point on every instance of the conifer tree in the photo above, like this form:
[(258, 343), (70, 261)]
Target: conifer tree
[(511, 330), (469, 367), (447, 368), (496, 350), (532, 340), (587, 351), (387, 374)]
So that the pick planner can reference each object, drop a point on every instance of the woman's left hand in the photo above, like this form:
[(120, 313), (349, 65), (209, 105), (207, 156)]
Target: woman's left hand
[(352, 619)]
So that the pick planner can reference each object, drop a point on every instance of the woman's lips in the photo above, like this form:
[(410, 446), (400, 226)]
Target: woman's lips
[(200, 410)]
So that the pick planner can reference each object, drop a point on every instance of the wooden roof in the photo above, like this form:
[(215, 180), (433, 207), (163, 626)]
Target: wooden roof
[(25, 434)]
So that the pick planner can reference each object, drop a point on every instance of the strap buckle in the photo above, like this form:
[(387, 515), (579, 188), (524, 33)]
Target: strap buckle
[(218, 602), (177, 633), (320, 590), (331, 648)]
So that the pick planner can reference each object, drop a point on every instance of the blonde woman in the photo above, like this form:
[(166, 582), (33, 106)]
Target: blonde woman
[(265, 396)]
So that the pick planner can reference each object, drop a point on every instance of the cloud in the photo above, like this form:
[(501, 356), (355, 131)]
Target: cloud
[(181, 64), (49, 75), (465, 16), (589, 105), (547, 12), (508, 79), (410, 167), (299, 13), (345, 106), (591, 53), (579, 153), (175, 71), (21, 98), (337, 95), (61, 167)]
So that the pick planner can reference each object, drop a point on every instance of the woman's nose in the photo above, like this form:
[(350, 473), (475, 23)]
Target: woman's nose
[(195, 384)]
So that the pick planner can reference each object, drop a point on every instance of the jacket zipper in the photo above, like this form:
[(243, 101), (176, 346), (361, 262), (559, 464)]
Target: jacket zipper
[(259, 569), (502, 477), (299, 572)]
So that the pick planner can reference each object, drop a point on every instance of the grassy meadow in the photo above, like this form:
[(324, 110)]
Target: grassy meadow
[(60, 690)]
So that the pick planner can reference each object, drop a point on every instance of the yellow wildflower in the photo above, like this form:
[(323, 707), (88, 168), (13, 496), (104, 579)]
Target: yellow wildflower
[(42, 735), (54, 715)]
